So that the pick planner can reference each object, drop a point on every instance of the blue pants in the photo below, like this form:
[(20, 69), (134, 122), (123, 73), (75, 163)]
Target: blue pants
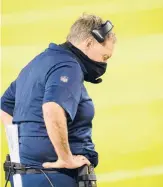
[(39, 180)]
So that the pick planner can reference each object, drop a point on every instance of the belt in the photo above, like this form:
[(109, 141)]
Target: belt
[(17, 168)]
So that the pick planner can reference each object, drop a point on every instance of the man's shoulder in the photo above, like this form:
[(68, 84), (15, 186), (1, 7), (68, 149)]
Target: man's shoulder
[(50, 60), (61, 56), (52, 56)]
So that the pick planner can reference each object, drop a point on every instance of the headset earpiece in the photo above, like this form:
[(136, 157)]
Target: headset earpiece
[(96, 34), (100, 34)]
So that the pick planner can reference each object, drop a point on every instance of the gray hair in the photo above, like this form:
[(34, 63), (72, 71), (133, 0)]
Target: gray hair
[(81, 29)]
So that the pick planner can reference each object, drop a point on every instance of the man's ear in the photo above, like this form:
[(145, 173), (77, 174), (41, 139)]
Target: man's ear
[(89, 42)]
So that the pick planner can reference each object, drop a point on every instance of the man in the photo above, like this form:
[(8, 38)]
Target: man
[(50, 104)]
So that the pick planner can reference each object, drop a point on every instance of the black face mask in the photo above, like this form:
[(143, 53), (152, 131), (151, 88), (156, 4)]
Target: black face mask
[(92, 69)]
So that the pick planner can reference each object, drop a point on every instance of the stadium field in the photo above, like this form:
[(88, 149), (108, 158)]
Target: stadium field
[(128, 125)]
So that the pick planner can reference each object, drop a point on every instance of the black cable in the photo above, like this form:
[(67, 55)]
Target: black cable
[(8, 177), (47, 178)]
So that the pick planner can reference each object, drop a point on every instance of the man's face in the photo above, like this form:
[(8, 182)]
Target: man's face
[(101, 52)]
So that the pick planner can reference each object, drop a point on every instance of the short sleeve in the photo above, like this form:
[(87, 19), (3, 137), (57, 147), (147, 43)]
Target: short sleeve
[(63, 86), (8, 99)]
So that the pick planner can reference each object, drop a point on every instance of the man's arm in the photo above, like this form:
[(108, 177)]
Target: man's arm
[(5, 118), (60, 97), (8, 104), (56, 124)]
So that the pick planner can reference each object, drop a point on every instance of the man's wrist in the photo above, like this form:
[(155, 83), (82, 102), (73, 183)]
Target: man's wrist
[(66, 158)]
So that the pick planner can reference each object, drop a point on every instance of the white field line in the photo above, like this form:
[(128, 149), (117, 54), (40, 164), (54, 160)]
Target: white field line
[(130, 174)]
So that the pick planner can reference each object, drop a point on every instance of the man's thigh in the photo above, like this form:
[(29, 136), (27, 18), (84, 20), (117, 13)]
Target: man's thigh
[(39, 180)]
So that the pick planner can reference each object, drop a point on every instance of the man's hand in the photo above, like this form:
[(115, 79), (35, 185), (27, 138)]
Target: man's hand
[(75, 162)]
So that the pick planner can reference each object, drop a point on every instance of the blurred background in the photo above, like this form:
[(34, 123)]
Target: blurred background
[(128, 126)]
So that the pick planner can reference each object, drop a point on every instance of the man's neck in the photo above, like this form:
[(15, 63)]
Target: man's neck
[(80, 46)]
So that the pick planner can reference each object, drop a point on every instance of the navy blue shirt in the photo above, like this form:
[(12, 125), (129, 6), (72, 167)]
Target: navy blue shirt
[(52, 76)]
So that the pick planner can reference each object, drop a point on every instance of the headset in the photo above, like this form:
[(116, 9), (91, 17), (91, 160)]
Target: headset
[(100, 33)]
